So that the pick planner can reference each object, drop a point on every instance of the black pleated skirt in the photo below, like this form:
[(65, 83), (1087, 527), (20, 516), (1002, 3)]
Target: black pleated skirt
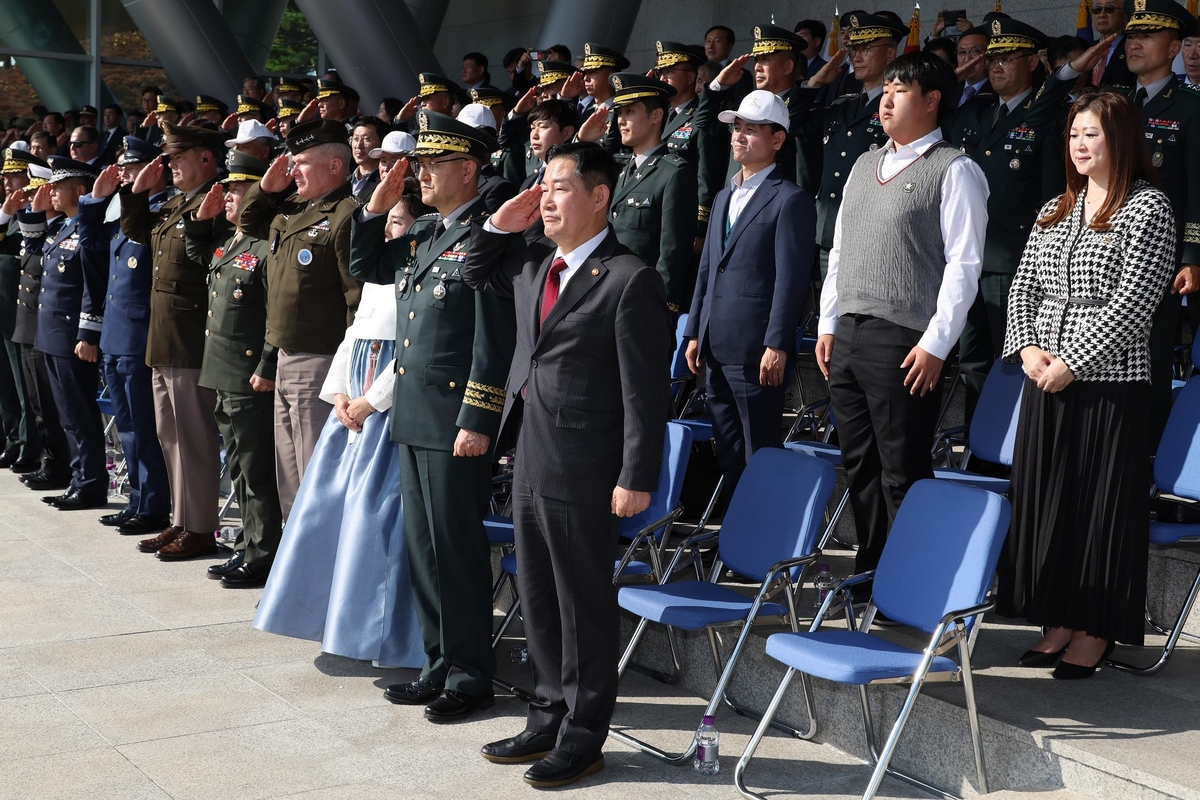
[(1076, 554)]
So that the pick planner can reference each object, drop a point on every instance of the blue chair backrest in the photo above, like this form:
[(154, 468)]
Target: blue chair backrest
[(941, 552), (1177, 463), (679, 367), (677, 449), (776, 511), (994, 426)]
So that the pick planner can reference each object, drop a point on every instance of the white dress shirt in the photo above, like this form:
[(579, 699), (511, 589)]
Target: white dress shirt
[(576, 257), (964, 222), (740, 192)]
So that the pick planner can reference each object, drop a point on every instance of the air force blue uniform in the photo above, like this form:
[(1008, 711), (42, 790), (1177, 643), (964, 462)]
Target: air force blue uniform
[(123, 343)]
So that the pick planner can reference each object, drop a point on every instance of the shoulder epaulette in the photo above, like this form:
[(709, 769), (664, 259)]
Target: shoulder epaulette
[(1190, 88), (846, 98)]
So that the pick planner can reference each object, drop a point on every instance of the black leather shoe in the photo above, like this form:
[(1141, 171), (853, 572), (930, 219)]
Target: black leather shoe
[(81, 502), (451, 705), (218, 571), (560, 768), (247, 576), (415, 693), (120, 518), (525, 746), (138, 525), (9, 458), (1038, 659), (24, 466), (48, 481), (54, 500), (1066, 671)]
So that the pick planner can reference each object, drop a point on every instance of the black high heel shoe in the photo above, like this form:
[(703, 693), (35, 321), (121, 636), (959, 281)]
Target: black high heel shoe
[(1065, 671), (1037, 659)]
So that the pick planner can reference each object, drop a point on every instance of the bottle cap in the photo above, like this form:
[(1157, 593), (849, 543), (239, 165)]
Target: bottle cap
[(708, 721), (824, 568)]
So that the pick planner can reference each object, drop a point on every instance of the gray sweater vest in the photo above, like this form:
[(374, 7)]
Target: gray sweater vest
[(893, 254)]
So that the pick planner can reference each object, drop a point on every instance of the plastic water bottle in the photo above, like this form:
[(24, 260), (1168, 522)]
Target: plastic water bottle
[(823, 584), (708, 746), (518, 654)]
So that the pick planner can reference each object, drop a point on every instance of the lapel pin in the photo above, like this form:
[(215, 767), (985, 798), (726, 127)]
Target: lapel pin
[(595, 270)]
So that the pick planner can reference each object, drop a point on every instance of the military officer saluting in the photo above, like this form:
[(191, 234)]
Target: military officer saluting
[(850, 126), (675, 65), (175, 344), (453, 351), (123, 338), (311, 294), (652, 210), (599, 64), (240, 366), (70, 315), (286, 115)]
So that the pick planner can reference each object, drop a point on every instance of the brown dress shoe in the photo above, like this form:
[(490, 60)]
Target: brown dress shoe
[(188, 544), (166, 537)]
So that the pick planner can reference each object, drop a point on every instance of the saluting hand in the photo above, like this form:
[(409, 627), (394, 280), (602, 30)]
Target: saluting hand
[(733, 71), (310, 111), (213, 203), (592, 129), (41, 200), (13, 203), (517, 214), (390, 189), (1086, 61), (106, 182), (150, 121), (573, 87), (409, 110), (1187, 281), (828, 71), (526, 103), (470, 444), (150, 175), (230, 123), (962, 71), (924, 371), (276, 177), (272, 124)]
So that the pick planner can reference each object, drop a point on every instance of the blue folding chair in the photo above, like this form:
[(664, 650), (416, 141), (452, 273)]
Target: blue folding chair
[(933, 575), (1177, 472), (768, 535), (993, 428)]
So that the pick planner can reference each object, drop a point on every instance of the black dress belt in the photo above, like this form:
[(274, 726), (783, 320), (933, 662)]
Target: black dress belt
[(1078, 301)]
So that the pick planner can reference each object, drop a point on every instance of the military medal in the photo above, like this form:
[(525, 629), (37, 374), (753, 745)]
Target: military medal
[(403, 284), (132, 262), (1014, 164), (305, 257), (62, 267), (439, 291), (237, 293), (1157, 159)]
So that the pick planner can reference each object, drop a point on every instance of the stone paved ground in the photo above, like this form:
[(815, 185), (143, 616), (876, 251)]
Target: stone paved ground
[(126, 678)]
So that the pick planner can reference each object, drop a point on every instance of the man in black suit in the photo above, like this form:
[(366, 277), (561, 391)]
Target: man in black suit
[(1109, 17), (590, 376)]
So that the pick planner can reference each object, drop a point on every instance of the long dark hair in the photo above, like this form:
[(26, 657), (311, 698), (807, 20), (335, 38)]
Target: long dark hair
[(1128, 156)]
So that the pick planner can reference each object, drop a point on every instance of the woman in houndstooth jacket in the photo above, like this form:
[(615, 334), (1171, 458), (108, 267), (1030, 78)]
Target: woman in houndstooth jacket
[(1096, 267)]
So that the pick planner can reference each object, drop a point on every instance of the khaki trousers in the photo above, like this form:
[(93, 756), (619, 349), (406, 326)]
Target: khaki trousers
[(300, 414), (187, 431)]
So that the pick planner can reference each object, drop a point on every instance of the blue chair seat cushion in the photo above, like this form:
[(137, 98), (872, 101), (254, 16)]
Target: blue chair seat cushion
[(822, 450), (968, 478), (1173, 533), (691, 605), (849, 657), (499, 529), (508, 563)]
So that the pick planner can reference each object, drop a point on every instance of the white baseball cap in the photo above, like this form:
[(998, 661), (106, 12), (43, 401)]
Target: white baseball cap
[(396, 143), (248, 131), (477, 115), (760, 106), (20, 144)]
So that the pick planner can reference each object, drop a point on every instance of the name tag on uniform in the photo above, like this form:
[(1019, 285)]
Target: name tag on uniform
[(1162, 124), (246, 261), (1022, 133)]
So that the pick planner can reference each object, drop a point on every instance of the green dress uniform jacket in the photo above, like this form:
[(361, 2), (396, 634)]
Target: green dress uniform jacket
[(850, 127), (454, 345), (653, 214), (179, 293), (237, 310), (311, 295)]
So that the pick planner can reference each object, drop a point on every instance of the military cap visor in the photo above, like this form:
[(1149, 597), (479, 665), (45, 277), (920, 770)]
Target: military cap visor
[(441, 135), (867, 28), (551, 72), (63, 168), (38, 176), (166, 104), (206, 103), (137, 151), (19, 161), (1010, 35), (630, 88), (774, 39), (315, 132), (670, 54), (88, 111), (432, 84), (289, 109), (599, 57), (492, 97), (1150, 16), (286, 87), (243, 168), (248, 105), (326, 89), (179, 138)]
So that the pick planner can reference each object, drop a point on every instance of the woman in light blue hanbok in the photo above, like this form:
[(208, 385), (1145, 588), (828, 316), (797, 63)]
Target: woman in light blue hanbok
[(341, 574)]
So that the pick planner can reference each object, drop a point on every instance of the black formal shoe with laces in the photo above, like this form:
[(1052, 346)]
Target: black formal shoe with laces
[(1037, 659), (139, 525), (525, 746), (81, 502), (414, 693), (1066, 671), (120, 518), (54, 500), (24, 466), (561, 768), (247, 576), (452, 705), (9, 458), (218, 571), (45, 481)]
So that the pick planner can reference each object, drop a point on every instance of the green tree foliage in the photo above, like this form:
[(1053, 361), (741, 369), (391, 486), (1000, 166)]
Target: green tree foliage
[(295, 48)]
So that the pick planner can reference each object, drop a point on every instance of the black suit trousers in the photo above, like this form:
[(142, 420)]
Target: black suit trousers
[(885, 432), (449, 560), (569, 607), (20, 433), (746, 415), (74, 383), (1162, 361), (55, 452)]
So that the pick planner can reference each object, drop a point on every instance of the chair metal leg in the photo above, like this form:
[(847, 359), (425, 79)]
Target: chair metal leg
[(837, 512), (964, 653), (1173, 637), (522, 694), (739, 772)]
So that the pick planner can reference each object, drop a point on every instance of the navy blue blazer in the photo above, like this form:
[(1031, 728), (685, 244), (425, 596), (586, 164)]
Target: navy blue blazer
[(130, 274), (71, 301), (750, 295)]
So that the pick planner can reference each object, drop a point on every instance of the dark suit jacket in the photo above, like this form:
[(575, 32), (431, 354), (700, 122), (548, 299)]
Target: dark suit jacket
[(1117, 72), (595, 373), (750, 295), (494, 188)]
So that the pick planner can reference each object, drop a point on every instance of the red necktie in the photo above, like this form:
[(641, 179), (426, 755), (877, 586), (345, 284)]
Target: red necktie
[(550, 292), (1098, 71)]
